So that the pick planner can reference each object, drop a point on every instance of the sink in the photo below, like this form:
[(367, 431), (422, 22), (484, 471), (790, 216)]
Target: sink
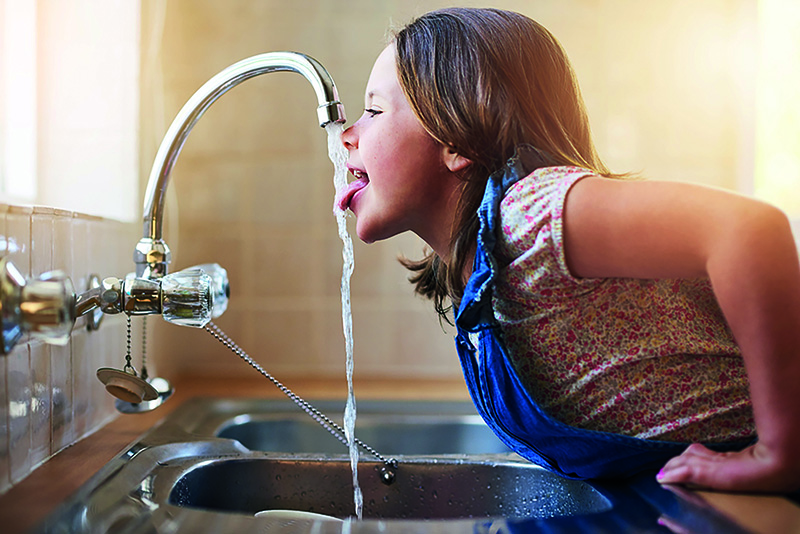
[(443, 489), (389, 434), (210, 465)]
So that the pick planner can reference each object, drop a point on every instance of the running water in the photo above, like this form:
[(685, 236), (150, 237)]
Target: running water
[(338, 154)]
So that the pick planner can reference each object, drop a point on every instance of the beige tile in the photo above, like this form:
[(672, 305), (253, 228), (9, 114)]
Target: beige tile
[(61, 377), (281, 341), (376, 269), (211, 189), (281, 268), (3, 235), (41, 240), (82, 377), (96, 355), (289, 194), (372, 351), (106, 349), (127, 235), (41, 403), (225, 251), (80, 262), (193, 351), (421, 343), (62, 242), (20, 392), (18, 227), (5, 463)]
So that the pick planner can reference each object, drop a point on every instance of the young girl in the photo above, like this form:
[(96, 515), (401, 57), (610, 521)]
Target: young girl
[(605, 324)]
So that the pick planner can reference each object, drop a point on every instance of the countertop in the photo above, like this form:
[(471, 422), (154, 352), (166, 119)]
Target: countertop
[(34, 498)]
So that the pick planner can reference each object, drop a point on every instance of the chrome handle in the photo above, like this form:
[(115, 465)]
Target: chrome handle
[(185, 298), (220, 286), (43, 307), (46, 307)]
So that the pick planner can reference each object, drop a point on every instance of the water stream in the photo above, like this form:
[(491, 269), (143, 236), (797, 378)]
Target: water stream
[(338, 155)]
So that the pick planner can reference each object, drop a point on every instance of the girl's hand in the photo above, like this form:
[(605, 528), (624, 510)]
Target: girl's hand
[(754, 469)]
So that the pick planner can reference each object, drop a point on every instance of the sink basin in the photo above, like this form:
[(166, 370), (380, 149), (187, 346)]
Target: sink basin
[(212, 464), (389, 434), (451, 465), (422, 490)]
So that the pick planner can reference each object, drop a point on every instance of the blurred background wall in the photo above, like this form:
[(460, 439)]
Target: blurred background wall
[(670, 88)]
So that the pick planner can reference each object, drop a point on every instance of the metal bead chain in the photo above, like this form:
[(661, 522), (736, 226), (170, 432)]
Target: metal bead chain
[(128, 367), (321, 418), (144, 347)]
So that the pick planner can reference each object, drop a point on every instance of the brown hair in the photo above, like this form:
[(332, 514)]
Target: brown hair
[(485, 81)]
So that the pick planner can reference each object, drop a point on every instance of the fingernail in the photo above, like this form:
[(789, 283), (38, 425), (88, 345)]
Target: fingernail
[(660, 474)]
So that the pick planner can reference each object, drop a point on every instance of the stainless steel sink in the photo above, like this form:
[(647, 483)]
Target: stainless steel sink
[(389, 434), (423, 489), (213, 463), (390, 427)]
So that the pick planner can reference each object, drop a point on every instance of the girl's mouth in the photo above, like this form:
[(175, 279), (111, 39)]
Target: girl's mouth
[(346, 196)]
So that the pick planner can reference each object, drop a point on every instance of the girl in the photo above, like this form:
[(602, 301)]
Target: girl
[(605, 325)]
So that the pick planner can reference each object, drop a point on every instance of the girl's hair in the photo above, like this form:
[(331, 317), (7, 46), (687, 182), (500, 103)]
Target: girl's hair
[(484, 81)]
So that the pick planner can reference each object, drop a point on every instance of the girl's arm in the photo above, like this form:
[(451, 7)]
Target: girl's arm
[(640, 229)]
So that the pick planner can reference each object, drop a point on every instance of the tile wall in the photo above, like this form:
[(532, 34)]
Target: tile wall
[(49, 395)]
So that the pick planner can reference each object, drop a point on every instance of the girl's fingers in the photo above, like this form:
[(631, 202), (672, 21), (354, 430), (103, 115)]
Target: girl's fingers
[(697, 466), (751, 469)]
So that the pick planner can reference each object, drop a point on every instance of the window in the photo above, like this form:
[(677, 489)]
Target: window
[(70, 102), (18, 100)]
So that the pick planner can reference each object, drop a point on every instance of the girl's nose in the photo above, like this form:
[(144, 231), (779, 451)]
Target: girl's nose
[(349, 138)]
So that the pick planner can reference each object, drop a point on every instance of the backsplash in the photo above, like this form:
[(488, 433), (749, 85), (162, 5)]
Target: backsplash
[(49, 395)]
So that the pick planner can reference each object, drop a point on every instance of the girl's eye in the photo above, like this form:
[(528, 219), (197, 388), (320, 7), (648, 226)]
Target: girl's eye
[(373, 112)]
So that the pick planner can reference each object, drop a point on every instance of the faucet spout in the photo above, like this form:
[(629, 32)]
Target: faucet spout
[(152, 255)]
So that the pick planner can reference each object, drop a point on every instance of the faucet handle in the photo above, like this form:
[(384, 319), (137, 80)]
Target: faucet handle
[(48, 307), (187, 298), (45, 306), (219, 286)]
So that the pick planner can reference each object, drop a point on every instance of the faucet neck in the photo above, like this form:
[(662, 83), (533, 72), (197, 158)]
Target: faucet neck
[(329, 110)]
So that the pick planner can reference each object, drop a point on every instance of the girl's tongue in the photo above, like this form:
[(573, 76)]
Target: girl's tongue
[(346, 195)]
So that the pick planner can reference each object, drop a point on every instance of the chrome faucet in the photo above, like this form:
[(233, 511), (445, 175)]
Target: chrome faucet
[(47, 307), (152, 255)]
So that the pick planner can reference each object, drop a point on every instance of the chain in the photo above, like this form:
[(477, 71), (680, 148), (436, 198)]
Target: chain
[(128, 367), (144, 347), (326, 422)]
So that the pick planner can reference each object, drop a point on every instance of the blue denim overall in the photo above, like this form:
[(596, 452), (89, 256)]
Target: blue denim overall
[(496, 390)]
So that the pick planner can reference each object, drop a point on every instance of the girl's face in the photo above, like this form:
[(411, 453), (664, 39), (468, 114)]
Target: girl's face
[(402, 182)]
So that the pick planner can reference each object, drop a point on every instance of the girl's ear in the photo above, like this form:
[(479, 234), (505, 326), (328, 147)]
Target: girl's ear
[(454, 161)]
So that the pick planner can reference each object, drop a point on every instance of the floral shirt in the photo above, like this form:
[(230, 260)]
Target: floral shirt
[(645, 358)]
